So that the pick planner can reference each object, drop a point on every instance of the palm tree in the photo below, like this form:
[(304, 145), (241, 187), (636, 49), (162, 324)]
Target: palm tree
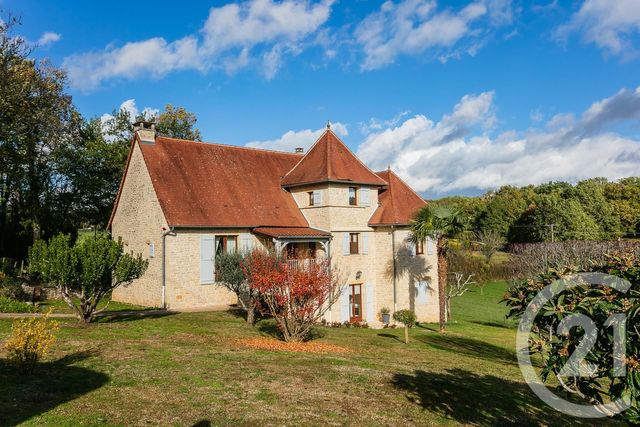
[(439, 223)]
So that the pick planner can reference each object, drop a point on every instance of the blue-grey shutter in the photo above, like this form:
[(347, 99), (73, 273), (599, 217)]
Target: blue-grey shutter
[(345, 244), (421, 298), (317, 197), (412, 248), (345, 314), (207, 255), (246, 244), (152, 250), (369, 302), (429, 246), (365, 243), (364, 197)]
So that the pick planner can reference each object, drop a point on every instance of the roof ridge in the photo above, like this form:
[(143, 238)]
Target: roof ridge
[(304, 155), (242, 147)]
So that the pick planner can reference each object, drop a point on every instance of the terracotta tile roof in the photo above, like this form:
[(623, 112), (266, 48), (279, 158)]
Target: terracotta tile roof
[(201, 184), (291, 232), (329, 159), (398, 202)]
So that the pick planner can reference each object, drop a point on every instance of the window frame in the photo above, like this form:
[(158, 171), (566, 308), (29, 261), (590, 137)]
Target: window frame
[(354, 246), (355, 196)]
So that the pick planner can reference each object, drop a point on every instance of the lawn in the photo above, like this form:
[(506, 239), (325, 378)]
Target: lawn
[(187, 368)]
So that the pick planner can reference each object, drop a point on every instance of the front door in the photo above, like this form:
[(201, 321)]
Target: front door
[(355, 303)]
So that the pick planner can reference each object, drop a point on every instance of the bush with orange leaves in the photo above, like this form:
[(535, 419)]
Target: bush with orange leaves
[(295, 295), (30, 340)]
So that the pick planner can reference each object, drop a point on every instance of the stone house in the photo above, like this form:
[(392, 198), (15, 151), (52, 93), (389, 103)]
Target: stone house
[(182, 202)]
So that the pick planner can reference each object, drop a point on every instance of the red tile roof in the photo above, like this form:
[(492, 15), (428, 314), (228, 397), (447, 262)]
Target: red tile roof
[(398, 202), (290, 232), (205, 185), (329, 160)]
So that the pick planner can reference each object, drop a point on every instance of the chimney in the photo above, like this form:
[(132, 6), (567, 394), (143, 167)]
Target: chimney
[(299, 150), (146, 132)]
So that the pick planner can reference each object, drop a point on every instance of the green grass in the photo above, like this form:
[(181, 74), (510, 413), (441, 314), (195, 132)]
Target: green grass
[(187, 368), (59, 306)]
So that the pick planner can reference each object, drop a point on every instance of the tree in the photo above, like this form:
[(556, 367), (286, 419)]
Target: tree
[(176, 122), (230, 274), (552, 217), (295, 296), (503, 209), (439, 223), (88, 271), (490, 242), (408, 319)]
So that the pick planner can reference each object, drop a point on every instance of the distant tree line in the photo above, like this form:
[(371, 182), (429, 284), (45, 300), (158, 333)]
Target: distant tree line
[(59, 171), (593, 209)]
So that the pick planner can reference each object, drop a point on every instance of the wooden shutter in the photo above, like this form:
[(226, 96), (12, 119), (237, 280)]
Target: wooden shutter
[(369, 302), (421, 297), (345, 314), (345, 244), (364, 197), (207, 259), (365, 243)]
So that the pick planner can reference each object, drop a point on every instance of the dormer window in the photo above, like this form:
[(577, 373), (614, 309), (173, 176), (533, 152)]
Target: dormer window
[(353, 196)]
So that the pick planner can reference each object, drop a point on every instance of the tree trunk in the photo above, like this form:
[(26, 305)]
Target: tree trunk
[(251, 315), (449, 317), (442, 282), (406, 335)]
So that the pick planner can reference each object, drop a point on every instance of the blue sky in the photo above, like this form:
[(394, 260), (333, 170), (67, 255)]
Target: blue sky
[(458, 97)]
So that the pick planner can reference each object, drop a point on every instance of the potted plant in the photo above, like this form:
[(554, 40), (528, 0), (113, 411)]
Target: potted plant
[(385, 315)]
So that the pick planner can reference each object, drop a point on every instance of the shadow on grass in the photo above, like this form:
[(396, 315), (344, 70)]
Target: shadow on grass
[(269, 327), (469, 347), (52, 384), (504, 325), (395, 337), (484, 400), (127, 316)]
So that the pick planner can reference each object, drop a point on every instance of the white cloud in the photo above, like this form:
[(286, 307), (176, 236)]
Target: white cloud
[(48, 38), (290, 140), (411, 27), (227, 40), (610, 24), (446, 156)]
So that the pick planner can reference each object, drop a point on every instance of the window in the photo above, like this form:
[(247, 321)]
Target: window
[(310, 193), (226, 244), (353, 196), (315, 198), (420, 247), (353, 243)]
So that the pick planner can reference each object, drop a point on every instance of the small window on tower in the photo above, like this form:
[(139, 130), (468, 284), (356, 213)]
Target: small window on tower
[(353, 196), (310, 193)]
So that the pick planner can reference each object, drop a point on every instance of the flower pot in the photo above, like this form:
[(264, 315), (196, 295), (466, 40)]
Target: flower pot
[(386, 317)]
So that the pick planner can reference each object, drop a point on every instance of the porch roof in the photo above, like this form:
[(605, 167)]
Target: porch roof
[(294, 232)]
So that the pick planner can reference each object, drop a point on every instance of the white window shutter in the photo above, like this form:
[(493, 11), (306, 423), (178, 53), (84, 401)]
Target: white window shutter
[(429, 246), (152, 250), (364, 197), (365, 243), (345, 315), (421, 298), (246, 244), (317, 197), (345, 244), (207, 259), (369, 302)]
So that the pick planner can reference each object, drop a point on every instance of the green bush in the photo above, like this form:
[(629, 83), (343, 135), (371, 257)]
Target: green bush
[(9, 305), (406, 317)]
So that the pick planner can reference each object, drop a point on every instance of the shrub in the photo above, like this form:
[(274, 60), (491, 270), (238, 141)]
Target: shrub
[(9, 305), (11, 287), (229, 274), (408, 319), (89, 270), (295, 296), (598, 303), (30, 341)]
